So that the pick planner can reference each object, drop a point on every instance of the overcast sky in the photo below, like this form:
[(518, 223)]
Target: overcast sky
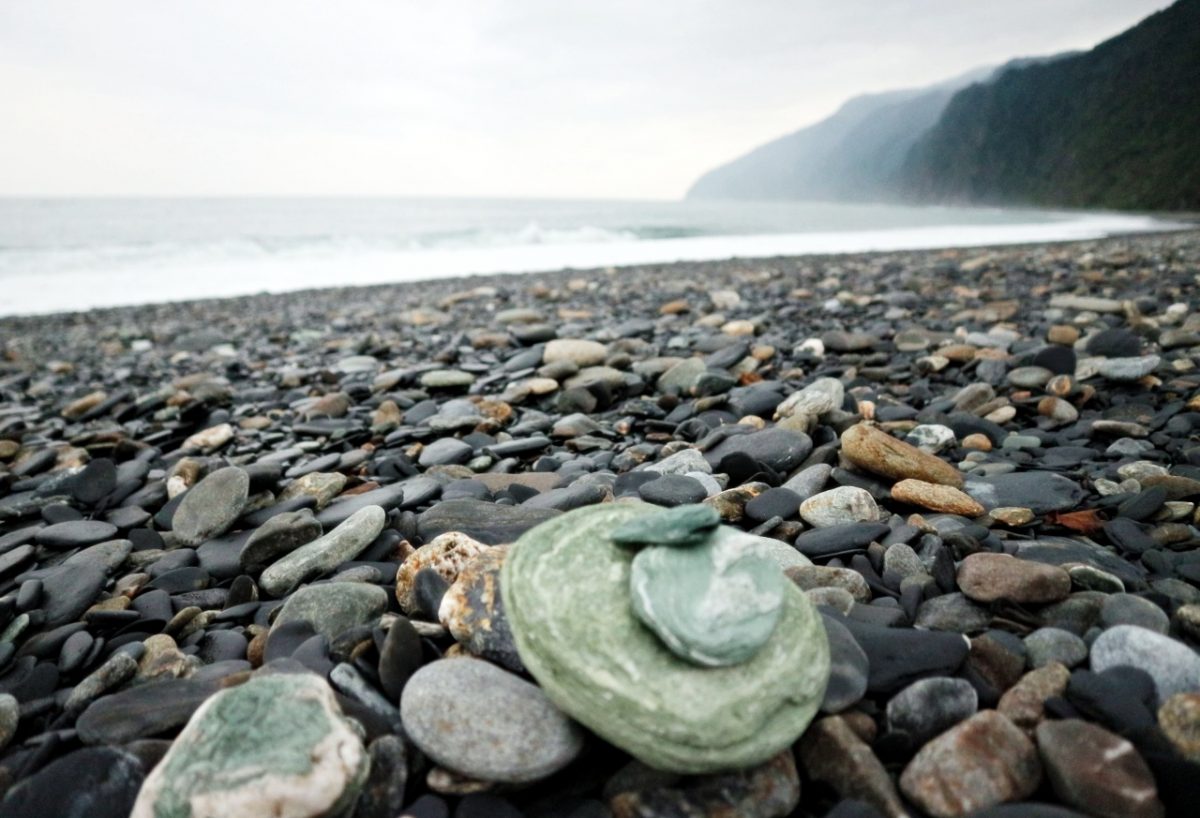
[(618, 98)]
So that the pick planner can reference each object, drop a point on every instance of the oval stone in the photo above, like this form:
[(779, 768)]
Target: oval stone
[(486, 723)]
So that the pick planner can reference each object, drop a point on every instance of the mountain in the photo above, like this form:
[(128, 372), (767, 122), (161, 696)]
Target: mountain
[(1115, 127), (854, 154)]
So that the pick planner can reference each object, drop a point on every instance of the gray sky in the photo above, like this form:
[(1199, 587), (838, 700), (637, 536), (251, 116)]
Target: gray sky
[(572, 98)]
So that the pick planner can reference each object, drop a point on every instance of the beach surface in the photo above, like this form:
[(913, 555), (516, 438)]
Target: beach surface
[(979, 466)]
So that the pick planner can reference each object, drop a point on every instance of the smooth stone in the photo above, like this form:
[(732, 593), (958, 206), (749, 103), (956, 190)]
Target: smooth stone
[(899, 656), (334, 607), (472, 610), (683, 525), (1128, 609), (839, 506), (1174, 667), (780, 449), (981, 762), (716, 603), (824, 542), (278, 536), (95, 782), (325, 553), (486, 723), (673, 490), (400, 657), (834, 754), (486, 522), (806, 406), (952, 612), (987, 577), (579, 352), (446, 379), (936, 497), (1097, 771), (774, 502), (1047, 645), (1025, 702), (877, 451), (445, 451), (849, 669), (75, 533), (1039, 491), (69, 590), (142, 711), (566, 591), (809, 481), (1179, 718), (1127, 369), (10, 716), (210, 507), (929, 707), (307, 760), (1115, 343)]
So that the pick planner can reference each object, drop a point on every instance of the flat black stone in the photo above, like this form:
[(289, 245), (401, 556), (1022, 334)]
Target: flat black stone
[(1057, 358), (900, 656), (283, 640), (488, 523), (839, 539), (142, 711), (69, 590), (1128, 536), (1144, 504), (399, 658), (76, 533), (673, 490), (1115, 343), (94, 782), (95, 481), (774, 502)]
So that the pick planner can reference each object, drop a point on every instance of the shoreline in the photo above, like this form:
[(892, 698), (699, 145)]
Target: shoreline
[(709, 267)]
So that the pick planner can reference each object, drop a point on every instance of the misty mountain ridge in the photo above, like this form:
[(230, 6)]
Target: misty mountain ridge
[(1117, 126)]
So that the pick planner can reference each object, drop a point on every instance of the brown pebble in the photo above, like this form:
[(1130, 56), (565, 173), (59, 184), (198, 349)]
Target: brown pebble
[(881, 453), (935, 497)]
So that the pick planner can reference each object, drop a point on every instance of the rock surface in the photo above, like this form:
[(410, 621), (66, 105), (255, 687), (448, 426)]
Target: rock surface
[(276, 744), (581, 641)]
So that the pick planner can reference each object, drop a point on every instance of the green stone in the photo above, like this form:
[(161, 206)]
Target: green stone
[(276, 745), (715, 604), (334, 607), (567, 593), (682, 525)]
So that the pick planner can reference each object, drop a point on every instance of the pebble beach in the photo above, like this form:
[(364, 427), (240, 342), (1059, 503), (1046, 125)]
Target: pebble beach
[(888, 534)]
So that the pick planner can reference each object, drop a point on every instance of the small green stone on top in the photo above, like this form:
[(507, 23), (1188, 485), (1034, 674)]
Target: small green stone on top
[(680, 526)]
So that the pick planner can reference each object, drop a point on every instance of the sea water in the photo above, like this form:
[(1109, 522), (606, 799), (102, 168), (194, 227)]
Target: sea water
[(73, 254)]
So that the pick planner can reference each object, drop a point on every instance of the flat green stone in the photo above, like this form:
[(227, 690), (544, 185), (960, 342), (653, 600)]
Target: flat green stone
[(714, 604), (682, 525), (567, 593)]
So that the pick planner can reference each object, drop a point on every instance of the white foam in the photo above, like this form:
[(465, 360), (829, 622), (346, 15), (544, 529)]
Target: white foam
[(112, 282)]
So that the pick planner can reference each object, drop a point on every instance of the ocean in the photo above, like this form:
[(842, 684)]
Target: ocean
[(75, 254)]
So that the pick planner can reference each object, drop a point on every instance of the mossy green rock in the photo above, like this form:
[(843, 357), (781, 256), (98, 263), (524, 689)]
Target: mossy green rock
[(276, 745), (715, 603), (567, 592)]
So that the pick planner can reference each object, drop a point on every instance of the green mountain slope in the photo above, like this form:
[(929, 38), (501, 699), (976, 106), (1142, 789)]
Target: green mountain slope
[(1115, 127), (855, 154)]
